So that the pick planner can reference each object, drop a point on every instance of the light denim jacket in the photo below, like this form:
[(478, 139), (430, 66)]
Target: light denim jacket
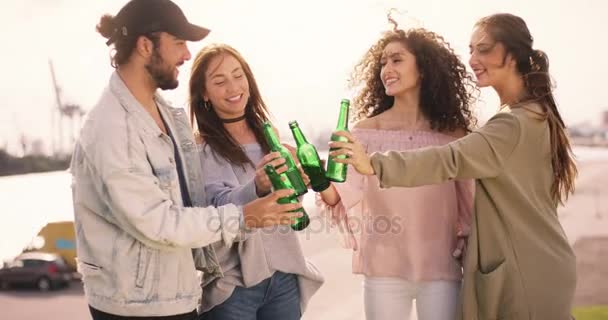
[(134, 237)]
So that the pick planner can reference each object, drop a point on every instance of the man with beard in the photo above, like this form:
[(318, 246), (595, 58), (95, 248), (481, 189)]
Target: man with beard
[(137, 188)]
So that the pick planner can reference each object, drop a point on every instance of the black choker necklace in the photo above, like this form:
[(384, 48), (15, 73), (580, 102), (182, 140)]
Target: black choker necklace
[(237, 119)]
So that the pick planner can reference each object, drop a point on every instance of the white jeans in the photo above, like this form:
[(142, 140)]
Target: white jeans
[(391, 298)]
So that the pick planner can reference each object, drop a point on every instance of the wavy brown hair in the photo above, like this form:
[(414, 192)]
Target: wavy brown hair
[(208, 123), (533, 66), (446, 88)]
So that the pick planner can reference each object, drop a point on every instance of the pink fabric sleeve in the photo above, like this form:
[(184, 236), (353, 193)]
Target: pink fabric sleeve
[(351, 194)]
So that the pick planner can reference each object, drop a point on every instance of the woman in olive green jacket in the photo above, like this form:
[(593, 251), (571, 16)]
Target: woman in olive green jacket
[(519, 264)]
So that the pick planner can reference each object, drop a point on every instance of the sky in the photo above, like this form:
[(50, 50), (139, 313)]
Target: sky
[(301, 52)]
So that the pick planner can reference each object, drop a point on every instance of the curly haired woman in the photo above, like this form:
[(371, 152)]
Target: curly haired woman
[(520, 266), (407, 242)]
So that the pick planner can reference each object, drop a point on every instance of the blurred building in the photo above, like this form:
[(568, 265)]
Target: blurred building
[(587, 134), (37, 148)]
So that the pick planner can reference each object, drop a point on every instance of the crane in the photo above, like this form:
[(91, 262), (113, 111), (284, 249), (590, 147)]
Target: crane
[(62, 111)]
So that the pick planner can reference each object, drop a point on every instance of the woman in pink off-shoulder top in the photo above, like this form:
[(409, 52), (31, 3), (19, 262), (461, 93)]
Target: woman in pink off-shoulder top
[(407, 242)]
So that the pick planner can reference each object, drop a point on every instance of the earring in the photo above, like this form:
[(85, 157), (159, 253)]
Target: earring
[(205, 104)]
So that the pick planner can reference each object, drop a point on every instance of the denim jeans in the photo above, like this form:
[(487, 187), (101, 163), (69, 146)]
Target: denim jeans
[(277, 297)]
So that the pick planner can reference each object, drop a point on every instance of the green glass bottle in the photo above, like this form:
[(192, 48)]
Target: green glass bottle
[(309, 158), (277, 184), (292, 173), (337, 171)]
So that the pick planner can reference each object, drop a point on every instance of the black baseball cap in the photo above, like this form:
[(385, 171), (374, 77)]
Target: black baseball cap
[(139, 17)]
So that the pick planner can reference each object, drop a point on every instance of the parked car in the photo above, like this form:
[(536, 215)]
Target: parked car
[(45, 271), (56, 237)]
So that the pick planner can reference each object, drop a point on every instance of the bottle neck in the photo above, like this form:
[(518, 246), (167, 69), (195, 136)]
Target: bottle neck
[(298, 136), (271, 137), (343, 118)]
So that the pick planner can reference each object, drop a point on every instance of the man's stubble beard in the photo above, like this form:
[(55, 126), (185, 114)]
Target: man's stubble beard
[(161, 73)]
